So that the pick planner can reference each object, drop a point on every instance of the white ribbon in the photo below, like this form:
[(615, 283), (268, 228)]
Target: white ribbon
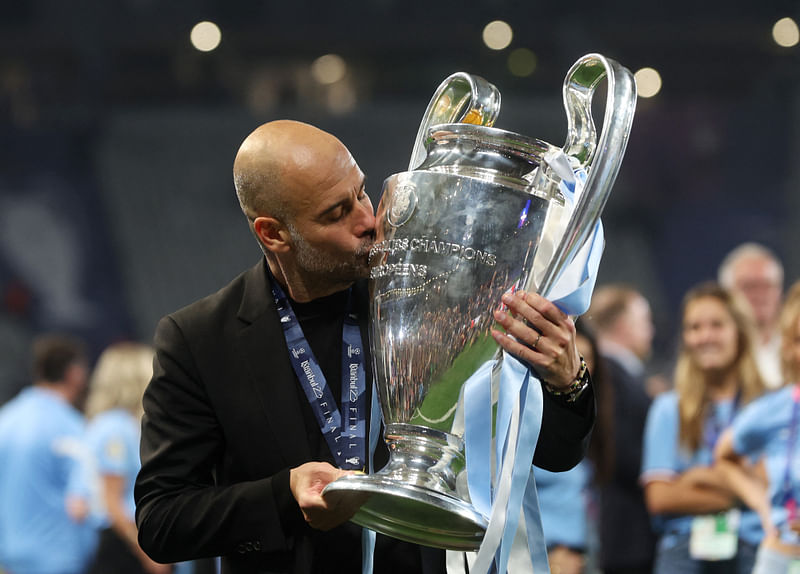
[(367, 535)]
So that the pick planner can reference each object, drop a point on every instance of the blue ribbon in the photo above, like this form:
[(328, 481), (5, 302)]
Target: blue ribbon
[(519, 415), (478, 437), (367, 535), (531, 408), (572, 290)]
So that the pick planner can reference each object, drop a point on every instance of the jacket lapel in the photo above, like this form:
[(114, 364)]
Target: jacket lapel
[(262, 348)]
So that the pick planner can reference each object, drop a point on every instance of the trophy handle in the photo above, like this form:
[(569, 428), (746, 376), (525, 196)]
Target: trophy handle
[(460, 98), (579, 87)]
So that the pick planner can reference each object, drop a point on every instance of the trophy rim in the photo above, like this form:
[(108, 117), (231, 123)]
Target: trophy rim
[(453, 524), (511, 142)]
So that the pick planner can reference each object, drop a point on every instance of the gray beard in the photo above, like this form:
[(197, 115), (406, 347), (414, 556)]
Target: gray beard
[(317, 263)]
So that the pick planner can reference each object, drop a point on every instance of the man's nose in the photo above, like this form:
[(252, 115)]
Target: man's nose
[(365, 224)]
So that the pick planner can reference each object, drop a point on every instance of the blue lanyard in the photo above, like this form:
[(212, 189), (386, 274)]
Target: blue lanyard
[(344, 431), (714, 429)]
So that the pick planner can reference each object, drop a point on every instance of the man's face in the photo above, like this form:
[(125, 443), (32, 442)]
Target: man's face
[(637, 323), (333, 226), (760, 281), (77, 379)]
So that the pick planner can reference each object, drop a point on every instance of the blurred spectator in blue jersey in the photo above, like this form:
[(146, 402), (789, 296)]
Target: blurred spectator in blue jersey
[(701, 524), (767, 430), (41, 434), (621, 318), (568, 518), (114, 410)]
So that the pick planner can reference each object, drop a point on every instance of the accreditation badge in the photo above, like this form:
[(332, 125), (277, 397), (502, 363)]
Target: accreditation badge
[(715, 536)]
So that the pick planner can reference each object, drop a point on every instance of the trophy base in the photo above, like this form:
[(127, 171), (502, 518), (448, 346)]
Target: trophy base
[(411, 513)]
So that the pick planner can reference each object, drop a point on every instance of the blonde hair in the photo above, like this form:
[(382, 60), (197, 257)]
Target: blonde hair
[(119, 379), (789, 318), (691, 383)]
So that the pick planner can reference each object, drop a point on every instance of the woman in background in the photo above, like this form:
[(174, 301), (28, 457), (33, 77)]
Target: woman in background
[(699, 526), (568, 517), (769, 428), (114, 410)]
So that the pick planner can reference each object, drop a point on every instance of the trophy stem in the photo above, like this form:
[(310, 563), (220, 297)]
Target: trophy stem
[(424, 457), (415, 496)]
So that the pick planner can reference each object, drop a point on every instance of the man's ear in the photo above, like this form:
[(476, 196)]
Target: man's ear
[(272, 234)]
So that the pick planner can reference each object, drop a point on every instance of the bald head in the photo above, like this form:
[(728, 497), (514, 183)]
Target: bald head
[(280, 164), (306, 203)]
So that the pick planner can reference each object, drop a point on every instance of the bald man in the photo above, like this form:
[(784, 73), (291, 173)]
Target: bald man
[(235, 447)]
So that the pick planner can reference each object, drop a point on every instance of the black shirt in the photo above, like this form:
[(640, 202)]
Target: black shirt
[(339, 550), (322, 321)]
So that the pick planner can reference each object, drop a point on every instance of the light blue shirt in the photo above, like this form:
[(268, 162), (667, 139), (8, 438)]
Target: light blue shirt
[(762, 428), (40, 443), (664, 458), (113, 439), (563, 505)]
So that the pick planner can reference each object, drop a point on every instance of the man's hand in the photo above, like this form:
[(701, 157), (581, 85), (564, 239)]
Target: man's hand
[(307, 482), (540, 334)]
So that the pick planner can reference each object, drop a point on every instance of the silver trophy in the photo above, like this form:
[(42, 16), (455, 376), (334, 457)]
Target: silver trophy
[(471, 219)]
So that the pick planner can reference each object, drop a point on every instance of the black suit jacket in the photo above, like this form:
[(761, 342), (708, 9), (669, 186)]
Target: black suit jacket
[(223, 425)]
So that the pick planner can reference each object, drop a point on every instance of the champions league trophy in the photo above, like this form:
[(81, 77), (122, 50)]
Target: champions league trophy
[(461, 227)]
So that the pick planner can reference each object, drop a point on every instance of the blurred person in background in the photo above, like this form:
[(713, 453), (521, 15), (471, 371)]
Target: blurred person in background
[(756, 273), (568, 500), (622, 320), (696, 513), (768, 428), (565, 502), (114, 410), (564, 511), (41, 444)]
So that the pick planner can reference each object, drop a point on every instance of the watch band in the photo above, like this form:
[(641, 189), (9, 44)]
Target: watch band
[(574, 391)]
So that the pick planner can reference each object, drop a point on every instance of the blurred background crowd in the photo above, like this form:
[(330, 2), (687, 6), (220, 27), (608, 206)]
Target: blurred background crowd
[(118, 126)]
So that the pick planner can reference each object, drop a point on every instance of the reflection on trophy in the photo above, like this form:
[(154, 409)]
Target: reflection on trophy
[(471, 219)]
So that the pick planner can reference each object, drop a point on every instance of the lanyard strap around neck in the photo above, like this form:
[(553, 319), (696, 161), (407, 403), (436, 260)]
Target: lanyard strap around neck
[(713, 428), (344, 431)]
